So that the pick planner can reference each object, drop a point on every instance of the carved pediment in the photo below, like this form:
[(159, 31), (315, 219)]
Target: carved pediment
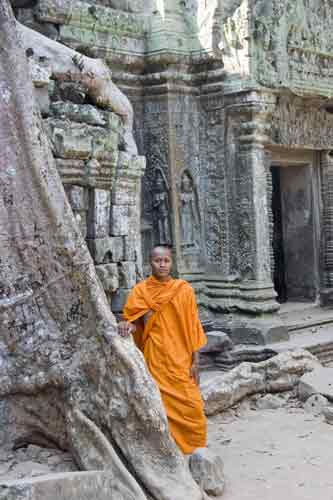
[(293, 44)]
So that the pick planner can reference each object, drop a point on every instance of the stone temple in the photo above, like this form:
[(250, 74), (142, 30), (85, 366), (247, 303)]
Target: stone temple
[(233, 113)]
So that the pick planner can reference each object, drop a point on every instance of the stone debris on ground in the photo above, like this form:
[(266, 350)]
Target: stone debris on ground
[(270, 455), (277, 374), (316, 404), (319, 381), (328, 414), (269, 402), (207, 470)]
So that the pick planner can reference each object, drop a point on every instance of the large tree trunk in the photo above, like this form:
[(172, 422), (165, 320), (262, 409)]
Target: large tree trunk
[(66, 376)]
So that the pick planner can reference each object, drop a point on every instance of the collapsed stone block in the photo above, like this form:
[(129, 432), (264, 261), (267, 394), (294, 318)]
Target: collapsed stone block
[(269, 402), (320, 381), (79, 113), (328, 414), (315, 404), (99, 215), (120, 219), (277, 374)]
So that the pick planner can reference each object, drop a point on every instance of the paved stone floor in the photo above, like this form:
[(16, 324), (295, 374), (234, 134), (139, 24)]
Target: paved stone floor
[(282, 454)]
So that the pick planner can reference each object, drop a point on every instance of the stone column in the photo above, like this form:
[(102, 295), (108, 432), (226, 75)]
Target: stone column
[(257, 294), (326, 292), (252, 319)]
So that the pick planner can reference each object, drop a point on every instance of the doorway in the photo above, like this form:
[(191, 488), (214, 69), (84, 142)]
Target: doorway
[(294, 236)]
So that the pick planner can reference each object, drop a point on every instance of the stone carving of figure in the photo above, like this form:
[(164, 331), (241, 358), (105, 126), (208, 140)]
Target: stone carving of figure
[(188, 210), (161, 208)]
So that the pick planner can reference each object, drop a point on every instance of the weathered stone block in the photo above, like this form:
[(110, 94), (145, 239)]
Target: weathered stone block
[(40, 72), (279, 373), (130, 248), (127, 274), (70, 140), (114, 122), (71, 171), (76, 140), (328, 414), (125, 192), (131, 166), (207, 470), (315, 404), (78, 197), (105, 250), (269, 402), (79, 113), (43, 98), (99, 218), (104, 143), (217, 342), (109, 276), (120, 218)]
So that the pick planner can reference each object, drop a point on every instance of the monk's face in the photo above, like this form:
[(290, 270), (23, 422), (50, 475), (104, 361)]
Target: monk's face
[(161, 263)]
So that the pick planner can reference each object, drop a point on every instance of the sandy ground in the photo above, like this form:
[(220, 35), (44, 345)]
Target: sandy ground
[(282, 454)]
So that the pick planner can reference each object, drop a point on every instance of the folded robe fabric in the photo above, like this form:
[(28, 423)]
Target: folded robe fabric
[(168, 335)]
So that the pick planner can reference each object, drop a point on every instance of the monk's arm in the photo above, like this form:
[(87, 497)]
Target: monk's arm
[(195, 367)]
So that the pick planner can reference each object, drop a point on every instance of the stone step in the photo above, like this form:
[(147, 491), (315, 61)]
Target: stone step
[(298, 317)]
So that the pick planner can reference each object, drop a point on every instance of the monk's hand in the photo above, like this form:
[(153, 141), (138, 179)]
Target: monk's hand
[(125, 328)]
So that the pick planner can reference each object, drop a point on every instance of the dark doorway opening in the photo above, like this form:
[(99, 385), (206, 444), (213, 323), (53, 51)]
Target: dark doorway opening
[(277, 239), (293, 237)]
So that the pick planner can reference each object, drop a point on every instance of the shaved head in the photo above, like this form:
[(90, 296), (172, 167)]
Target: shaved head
[(161, 262), (158, 248)]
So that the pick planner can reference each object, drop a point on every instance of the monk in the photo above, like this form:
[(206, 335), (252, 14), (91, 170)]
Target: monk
[(161, 313)]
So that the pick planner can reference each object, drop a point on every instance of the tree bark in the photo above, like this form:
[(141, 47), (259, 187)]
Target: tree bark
[(65, 373)]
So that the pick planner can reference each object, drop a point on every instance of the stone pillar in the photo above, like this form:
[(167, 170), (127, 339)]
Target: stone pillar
[(256, 289), (326, 292), (252, 319)]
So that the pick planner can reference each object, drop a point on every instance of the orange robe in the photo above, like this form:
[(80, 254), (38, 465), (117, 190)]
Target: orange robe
[(168, 339)]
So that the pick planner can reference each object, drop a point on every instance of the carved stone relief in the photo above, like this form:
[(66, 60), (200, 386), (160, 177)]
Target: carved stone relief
[(293, 44), (294, 124), (189, 212), (213, 181), (156, 226), (161, 208)]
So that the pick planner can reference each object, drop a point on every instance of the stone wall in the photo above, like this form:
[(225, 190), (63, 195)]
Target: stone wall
[(218, 89), (101, 180)]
